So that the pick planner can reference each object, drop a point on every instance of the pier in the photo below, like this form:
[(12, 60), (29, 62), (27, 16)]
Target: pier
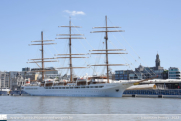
[(13, 93), (165, 93)]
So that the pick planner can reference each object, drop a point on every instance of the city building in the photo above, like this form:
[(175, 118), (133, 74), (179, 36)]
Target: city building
[(26, 69), (17, 82), (52, 76), (50, 73), (165, 74), (174, 73), (4, 80), (50, 70), (149, 72), (122, 74), (143, 72), (15, 79)]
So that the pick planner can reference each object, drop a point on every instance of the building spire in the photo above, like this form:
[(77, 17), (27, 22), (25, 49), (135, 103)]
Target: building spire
[(157, 61)]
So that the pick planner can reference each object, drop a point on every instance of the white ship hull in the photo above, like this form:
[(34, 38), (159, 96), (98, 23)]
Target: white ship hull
[(92, 90)]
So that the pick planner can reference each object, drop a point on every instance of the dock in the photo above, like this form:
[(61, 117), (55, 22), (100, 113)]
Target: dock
[(13, 93), (157, 93)]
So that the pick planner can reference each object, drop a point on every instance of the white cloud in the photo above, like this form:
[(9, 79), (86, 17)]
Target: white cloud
[(73, 13)]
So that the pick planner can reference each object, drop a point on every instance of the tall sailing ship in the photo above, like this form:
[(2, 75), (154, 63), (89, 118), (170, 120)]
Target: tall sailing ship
[(81, 87)]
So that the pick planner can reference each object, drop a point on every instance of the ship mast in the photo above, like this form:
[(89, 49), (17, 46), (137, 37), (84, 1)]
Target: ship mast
[(70, 48), (106, 38), (70, 51), (106, 50), (42, 55), (41, 60)]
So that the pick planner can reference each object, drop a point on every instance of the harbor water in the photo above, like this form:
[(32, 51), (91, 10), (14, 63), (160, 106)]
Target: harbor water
[(87, 105)]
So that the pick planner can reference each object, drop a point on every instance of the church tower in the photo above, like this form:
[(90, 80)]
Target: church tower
[(157, 61)]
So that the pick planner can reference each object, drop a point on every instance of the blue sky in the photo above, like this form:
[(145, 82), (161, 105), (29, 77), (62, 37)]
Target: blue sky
[(150, 26)]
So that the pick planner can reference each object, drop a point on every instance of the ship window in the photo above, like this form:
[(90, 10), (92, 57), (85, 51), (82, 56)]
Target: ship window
[(82, 87), (67, 87), (100, 86), (75, 87), (63, 87), (56, 87), (96, 86), (53, 88), (78, 87), (59, 87), (87, 87), (71, 87)]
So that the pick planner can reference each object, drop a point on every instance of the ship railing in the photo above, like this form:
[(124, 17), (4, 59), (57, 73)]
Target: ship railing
[(33, 85)]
